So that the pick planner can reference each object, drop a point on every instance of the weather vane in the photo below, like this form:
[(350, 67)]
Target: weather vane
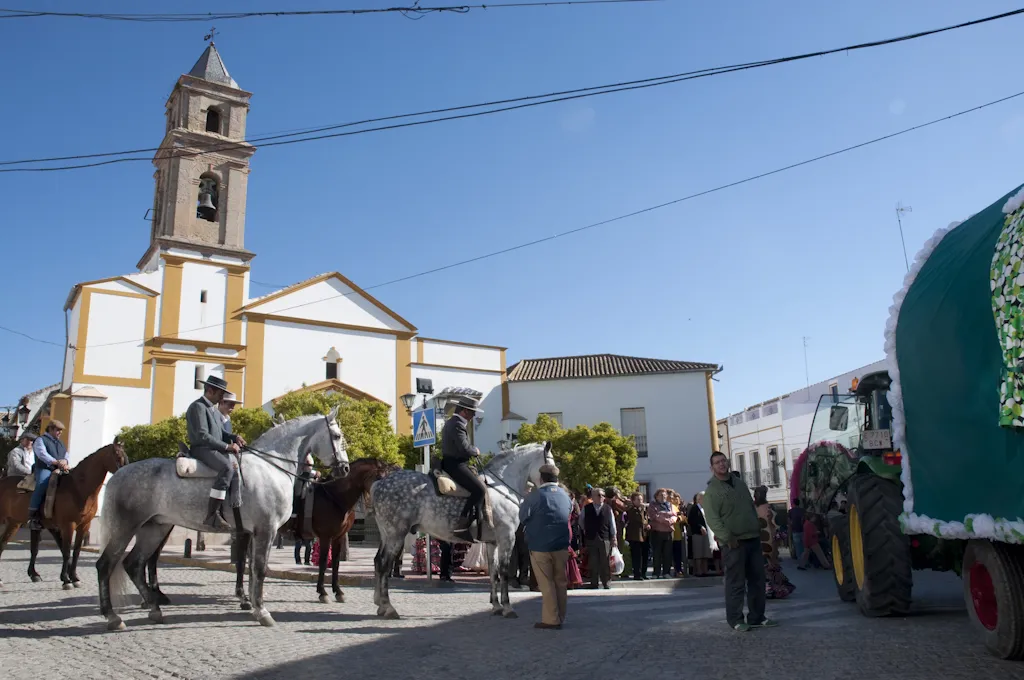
[(209, 36)]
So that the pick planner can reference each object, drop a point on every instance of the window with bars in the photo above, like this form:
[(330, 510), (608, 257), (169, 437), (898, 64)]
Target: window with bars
[(200, 375), (634, 423)]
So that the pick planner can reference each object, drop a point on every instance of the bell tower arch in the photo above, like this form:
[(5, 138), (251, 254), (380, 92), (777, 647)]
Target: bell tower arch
[(202, 167)]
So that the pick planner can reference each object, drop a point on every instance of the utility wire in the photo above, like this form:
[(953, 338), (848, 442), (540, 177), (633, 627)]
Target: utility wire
[(516, 103), (611, 220), (227, 16)]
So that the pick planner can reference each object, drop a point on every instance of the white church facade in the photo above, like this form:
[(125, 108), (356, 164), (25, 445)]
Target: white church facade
[(139, 342)]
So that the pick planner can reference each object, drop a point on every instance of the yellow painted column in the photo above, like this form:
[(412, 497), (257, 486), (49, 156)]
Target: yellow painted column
[(233, 322), (711, 412), (254, 350), (505, 397), (403, 383), (233, 374), (170, 297), (60, 409), (163, 390)]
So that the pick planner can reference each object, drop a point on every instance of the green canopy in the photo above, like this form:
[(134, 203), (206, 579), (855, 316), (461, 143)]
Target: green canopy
[(956, 357)]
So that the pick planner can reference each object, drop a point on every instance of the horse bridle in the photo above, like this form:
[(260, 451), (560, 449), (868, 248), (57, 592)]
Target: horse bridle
[(548, 460), (267, 456)]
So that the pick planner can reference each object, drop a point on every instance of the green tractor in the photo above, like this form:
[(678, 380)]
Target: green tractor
[(930, 454), (850, 474)]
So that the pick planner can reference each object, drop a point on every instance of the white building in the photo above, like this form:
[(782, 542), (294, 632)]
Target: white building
[(765, 439), (140, 342), (668, 406)]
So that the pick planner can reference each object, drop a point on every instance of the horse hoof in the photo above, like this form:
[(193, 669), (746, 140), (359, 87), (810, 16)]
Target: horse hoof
[(76, 584), (323, 598), (496, 612), (162, 600), (36, 578), (115, 624), (339, 597), (245, 605), (66, 586), (266, 620), (156, 616), (510, 614), (392, 615)]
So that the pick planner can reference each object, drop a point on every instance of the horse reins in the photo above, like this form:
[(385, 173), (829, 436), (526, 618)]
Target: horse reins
[(265, 456)]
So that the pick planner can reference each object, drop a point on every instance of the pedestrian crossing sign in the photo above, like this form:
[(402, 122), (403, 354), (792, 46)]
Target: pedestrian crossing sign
[(423, 427)]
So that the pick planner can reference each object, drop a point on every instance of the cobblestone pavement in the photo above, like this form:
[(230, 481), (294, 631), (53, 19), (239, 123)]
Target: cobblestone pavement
[(49, 633)]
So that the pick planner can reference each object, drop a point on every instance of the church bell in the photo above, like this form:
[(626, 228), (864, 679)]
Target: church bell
[(206, 210)]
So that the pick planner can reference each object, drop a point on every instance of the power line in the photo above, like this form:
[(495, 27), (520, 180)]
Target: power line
[(516, 103), (611, 220), (228, 16)]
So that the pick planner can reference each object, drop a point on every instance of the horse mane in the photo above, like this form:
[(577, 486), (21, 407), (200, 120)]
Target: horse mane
[(505, 458)]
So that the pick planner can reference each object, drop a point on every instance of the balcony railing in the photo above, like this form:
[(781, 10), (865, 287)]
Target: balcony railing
[(755, 478), (640, 442)]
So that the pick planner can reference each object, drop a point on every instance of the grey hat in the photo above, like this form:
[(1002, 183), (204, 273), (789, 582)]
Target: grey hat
[(468, 403), (216, 382), (27, 435)]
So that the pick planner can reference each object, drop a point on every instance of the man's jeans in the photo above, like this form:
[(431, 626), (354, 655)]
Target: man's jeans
[(798, 544), (744, 570), (42, 481)]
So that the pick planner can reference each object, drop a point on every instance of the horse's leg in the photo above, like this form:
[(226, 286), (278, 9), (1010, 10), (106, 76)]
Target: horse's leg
[(492, 573), (33, 552), (148, 541), (6, 531), (63, 537), (135, 565), (335, 561), (502, 554), (242, 547), (262, 544), (377, 560), (151, 563), (80, 534), (110, 571), (391, 548), (322, 564)]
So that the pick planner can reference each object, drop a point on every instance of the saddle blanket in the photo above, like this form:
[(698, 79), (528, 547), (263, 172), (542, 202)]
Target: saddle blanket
[(27, 484), (190, 467)]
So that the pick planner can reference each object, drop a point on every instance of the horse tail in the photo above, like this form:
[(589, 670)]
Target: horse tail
[(120, 584)]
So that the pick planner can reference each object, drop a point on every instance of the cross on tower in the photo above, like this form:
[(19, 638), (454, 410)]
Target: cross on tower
[(209, 36)]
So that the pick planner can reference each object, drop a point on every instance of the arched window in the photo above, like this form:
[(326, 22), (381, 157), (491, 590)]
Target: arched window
[(213, 120), (206, 204)]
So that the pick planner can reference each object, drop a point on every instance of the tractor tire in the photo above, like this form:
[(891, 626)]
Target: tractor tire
[(993, 576), (842, 567), (879, 550)]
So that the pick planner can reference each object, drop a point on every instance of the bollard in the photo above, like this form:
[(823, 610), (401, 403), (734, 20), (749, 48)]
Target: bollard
[(188, 547)]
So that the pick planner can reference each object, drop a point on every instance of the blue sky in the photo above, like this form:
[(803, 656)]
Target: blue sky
[(737, 277)]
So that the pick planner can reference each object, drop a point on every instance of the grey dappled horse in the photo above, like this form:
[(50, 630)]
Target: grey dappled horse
[(145, 500), (408, 501)]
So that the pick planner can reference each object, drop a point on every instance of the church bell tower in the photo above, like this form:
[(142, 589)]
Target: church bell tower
[(202, 167)]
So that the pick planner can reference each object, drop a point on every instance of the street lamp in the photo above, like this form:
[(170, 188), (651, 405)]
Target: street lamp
[(23, 414), (408, 400)]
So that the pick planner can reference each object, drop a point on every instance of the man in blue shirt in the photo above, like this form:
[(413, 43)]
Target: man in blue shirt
[(544, 515), (50, 455)]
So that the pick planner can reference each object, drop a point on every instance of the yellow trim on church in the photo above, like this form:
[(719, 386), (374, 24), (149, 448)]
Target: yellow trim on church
[(403, 384), (82, 341), (255, 336)]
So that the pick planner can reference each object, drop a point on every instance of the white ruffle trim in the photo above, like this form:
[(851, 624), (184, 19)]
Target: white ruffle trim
[(1014, 203), (973, 526), (895, 395)]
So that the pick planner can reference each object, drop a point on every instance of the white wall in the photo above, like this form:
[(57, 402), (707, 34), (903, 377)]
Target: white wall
[(124, 407), (69, 354), (198, 321), (88, 427), (676, 410), (184, 383), (115, 319), (332, 301), (463, 356), (487, 434), (293, 356)]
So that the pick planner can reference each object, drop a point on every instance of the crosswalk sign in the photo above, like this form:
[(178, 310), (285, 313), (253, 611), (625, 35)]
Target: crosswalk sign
[(423, 427)]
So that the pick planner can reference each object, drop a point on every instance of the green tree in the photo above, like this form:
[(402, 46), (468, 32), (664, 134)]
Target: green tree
[(596, 455), (159, 440), (250, 422)]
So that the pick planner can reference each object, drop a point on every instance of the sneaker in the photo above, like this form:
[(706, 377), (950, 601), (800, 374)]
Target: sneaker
[(741, 627), (767, 623)]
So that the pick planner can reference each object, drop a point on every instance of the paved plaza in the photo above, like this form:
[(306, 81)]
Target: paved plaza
[(49, 633)]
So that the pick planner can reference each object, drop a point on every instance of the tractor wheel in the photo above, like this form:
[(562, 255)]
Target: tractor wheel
[(994, 592), (842, 566), (879, 550)]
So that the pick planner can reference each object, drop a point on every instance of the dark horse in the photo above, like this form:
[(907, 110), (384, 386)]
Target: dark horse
[(334, 502), (74, 508)]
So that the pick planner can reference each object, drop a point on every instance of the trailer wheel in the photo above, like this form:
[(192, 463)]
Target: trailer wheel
[(879, 550), (842, 566), (994, 593)]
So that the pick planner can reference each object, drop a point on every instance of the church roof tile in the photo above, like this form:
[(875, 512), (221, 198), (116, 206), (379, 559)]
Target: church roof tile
[(210, 67)]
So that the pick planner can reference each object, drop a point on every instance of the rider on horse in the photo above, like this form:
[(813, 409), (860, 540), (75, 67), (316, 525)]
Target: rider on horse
[(456, 452), (50, 455), (210, 445)]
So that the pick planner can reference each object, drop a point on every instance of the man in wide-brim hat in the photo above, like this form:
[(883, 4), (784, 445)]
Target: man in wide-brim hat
[(456, 452), (211, 445)]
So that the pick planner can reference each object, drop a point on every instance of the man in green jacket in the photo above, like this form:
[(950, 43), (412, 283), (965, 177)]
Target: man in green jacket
[(729, 509)]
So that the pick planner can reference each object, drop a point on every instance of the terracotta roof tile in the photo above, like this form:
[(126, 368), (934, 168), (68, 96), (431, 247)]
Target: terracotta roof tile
[(598, 366)]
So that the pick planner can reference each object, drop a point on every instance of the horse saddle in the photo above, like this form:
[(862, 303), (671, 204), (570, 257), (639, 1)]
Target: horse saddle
[(446, 486), (27, 484), (188, 467), (51, 493)]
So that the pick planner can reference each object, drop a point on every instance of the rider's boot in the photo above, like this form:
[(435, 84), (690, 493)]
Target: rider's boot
[(34, 521), (214, 518)]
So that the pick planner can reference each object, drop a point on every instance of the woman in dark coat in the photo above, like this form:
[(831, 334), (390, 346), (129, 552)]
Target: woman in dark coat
[(700, 546)]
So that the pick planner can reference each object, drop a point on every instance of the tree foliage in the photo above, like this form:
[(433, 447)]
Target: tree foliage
[(159, 440), (250, 422), (596, 455)]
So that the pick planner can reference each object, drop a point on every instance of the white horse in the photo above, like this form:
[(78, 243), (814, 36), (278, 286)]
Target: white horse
[(146, 499), (407, 501)]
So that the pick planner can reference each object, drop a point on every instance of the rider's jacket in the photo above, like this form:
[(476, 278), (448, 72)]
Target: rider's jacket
[(205, 427), (48, 449), (455, 440)]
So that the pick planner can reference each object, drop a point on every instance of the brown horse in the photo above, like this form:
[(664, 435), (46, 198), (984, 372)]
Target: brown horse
[(74, 508)]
